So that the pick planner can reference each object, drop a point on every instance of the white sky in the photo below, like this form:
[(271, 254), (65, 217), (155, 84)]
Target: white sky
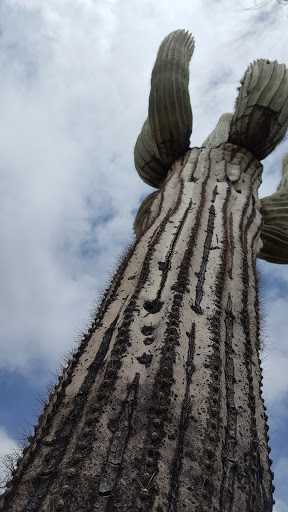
[(74, 86)]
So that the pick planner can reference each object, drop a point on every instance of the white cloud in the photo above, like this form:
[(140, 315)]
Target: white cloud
[(281, 470), (8, 453), (55, 183), (275, 361), (280, 506)]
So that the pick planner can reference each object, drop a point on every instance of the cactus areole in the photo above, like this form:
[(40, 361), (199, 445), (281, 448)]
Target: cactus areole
[(161, 407)]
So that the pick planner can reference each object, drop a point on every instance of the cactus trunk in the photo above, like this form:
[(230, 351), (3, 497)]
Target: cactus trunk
[(161, 407)]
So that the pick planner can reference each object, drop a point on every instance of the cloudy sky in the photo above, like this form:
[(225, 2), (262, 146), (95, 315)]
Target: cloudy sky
[(74, 86)]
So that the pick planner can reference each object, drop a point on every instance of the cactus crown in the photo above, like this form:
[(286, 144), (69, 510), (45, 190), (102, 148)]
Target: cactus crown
[(258, 124)]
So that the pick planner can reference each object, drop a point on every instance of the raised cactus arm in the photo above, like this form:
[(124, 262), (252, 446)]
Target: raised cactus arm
[(166, 133), (274, 232), (261, 115)]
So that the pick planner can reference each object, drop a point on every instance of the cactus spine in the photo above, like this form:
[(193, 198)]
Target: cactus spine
[(161, 408)]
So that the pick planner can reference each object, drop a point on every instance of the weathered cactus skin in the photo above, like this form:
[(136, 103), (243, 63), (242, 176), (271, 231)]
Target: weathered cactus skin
[(161, 408)]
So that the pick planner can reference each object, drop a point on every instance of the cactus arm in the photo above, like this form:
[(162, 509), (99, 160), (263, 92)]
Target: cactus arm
[(261, 116), (166, 134), (149, 167), (274, 232), (170, 113)]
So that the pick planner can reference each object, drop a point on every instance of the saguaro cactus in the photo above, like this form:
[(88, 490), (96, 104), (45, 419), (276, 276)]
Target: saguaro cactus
[(161, 408)]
